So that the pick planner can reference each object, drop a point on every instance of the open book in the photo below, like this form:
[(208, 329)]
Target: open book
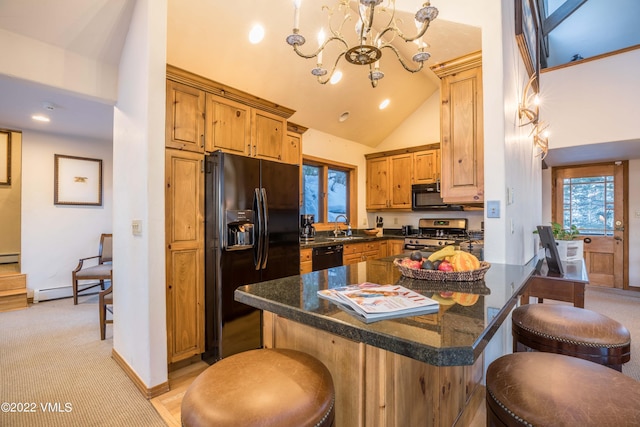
[(371, 302)]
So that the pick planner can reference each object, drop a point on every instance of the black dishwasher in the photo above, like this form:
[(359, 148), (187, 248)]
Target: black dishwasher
[(326, 257)]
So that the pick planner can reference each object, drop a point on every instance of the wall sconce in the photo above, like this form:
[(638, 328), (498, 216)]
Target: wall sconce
[(528, 108), (529, 113), (541, 138)]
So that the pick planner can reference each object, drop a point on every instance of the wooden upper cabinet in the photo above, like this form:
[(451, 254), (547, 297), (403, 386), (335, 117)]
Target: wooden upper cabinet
[(185, 117), (400, 167), (292, 148), (426, 166), (228, 126), (462, 135), (390, 175), (378, 183), (269, 131)]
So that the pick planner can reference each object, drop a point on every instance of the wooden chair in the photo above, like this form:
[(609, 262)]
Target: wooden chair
[(105, 303), (101, 271)]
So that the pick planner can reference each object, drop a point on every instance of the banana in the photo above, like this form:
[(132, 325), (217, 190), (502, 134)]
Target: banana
[(444, 252)]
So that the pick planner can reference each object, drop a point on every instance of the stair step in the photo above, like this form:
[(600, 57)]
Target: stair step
[(13, 299), (13, 281)]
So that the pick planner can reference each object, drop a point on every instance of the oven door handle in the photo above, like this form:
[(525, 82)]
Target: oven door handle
[(415, 247)]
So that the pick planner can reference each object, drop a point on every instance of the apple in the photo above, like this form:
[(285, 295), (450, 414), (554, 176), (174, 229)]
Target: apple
[(445, 266)]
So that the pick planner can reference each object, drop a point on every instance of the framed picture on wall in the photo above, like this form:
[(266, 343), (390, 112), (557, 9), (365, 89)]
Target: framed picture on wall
[(527, 27), (5, 158), (77, 181)]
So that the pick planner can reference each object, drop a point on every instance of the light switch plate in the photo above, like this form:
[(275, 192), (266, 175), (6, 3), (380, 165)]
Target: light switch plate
[(493, 208), (136, 227)]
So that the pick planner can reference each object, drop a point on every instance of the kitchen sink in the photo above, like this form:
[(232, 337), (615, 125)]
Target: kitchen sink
[(344, 238)]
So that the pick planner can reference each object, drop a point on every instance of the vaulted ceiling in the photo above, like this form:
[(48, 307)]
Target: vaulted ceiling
[(210, 38)]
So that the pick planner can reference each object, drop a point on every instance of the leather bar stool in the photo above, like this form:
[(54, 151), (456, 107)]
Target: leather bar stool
[(545, 389), (266, 387), (571, 331)]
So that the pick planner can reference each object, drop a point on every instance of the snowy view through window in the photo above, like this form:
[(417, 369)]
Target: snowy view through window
[(588, 204), (336, 188)]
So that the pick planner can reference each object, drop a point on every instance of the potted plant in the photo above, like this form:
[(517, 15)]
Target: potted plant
[(560, 233), (569, 248)]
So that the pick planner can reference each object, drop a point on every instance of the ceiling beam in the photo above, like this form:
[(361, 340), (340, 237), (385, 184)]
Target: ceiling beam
[(560, 14)]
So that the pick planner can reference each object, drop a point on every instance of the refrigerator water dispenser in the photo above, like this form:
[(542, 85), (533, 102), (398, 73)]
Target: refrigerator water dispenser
[(239, 230)]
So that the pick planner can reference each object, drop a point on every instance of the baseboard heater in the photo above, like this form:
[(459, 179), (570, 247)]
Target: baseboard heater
[(61, 292)]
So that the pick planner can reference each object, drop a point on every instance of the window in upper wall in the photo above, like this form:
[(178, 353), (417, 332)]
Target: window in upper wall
[(328, 189)]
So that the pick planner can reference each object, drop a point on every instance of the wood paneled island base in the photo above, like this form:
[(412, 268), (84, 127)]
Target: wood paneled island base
[(376, 387)]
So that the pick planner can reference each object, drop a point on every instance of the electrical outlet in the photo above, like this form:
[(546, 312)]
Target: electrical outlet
[(395, 220)]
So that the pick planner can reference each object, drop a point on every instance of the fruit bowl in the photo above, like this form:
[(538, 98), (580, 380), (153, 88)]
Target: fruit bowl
[(437, 275), (371, 231)]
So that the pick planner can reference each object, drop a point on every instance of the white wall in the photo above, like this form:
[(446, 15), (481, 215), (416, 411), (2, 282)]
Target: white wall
[(54, 237), (139, 329), (593, 102), (54, 66)]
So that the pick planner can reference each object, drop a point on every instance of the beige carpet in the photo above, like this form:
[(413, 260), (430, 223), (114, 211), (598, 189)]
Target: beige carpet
[(623, 306), (51, 355), (53, 363)]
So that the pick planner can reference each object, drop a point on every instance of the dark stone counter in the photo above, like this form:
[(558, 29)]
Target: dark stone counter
[(468, 317)]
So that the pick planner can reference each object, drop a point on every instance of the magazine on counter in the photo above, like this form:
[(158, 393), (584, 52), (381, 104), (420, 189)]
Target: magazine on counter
[(371, 302)]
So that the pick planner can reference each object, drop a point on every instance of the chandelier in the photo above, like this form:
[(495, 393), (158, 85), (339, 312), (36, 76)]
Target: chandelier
[(370, 41)]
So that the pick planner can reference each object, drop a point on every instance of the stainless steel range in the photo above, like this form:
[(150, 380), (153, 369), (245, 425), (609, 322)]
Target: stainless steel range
[(435, 233)]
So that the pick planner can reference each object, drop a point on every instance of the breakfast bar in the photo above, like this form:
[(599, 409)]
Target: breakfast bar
[(418, 370)]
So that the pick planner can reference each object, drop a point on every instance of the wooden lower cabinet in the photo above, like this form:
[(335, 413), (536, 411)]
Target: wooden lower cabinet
[(375, 387), (184, 213), (305, 261), (396, 247), (358, 252)]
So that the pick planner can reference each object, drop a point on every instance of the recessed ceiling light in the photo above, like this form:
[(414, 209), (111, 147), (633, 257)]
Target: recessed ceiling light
[(256, 34), (337, 76), (343, 117), (40, 118), (384, 104)]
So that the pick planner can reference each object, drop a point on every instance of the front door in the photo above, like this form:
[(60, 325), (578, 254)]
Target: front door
[(593, 197)]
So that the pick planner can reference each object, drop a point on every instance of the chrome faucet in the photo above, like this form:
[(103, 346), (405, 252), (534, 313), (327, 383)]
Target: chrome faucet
[(336, 231)]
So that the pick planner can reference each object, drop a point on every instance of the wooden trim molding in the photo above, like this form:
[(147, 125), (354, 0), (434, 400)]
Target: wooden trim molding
[(592, 58), (417, 148), (456, 65), (147, 392), (188, 78)]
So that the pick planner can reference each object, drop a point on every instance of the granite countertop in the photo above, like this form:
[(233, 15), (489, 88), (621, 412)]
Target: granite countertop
[(326, 239), (454, 336)]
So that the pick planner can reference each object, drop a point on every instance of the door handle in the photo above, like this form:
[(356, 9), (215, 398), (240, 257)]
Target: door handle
[(618, 238)]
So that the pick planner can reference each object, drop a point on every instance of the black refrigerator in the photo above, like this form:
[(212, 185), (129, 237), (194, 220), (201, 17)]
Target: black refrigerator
[(251, 235)]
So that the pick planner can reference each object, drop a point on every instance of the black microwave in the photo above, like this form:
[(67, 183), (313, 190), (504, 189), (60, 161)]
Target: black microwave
[(426, 197)]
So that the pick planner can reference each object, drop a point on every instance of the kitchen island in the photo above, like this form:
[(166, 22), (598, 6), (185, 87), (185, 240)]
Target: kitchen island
[(420, 370)]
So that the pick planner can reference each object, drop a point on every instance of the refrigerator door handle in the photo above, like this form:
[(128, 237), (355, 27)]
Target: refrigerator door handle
[(259, 245), (265, 232)]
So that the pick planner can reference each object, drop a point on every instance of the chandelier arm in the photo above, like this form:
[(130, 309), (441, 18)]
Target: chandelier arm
[(404, 64), (337, 33), (314, 54), (425, 26), (333, 70)]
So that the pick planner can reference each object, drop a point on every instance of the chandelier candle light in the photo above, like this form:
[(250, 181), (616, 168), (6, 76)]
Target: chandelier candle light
[(369, 45)]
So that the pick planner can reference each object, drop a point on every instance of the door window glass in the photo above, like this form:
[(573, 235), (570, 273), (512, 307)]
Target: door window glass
[(588, 203)]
